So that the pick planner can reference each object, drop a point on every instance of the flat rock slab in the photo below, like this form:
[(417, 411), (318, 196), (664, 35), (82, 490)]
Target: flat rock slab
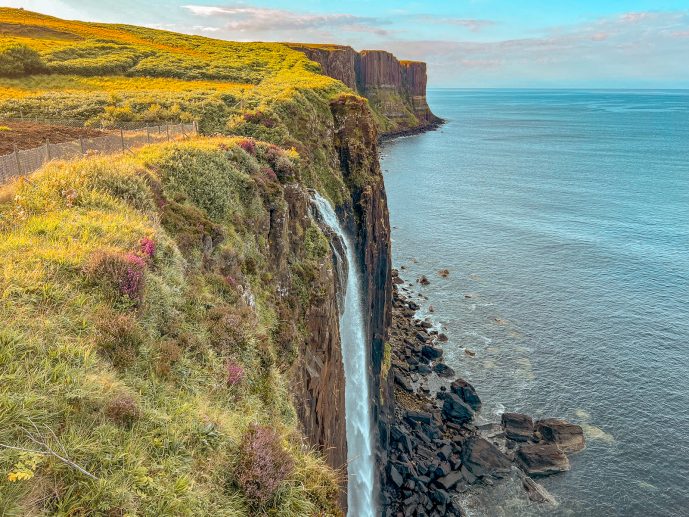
[(518, 427), (482, 458), (541, 459), (569, 437)]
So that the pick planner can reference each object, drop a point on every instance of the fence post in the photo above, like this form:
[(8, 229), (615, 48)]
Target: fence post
[(47, 148), (167, 130), (81, 143), (122, 138), (16, 157), (148, 134)]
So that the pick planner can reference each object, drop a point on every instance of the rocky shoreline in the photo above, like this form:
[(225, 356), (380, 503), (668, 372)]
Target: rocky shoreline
[(425, 128), (436, 451)]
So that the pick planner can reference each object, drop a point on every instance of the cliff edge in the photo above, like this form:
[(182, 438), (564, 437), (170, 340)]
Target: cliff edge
[(396, 90)]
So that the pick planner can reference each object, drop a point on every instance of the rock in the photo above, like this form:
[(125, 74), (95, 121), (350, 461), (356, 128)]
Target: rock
[(418, 416), (518, 427), (423, 280), (431, 309), (447, 482), (444, 273), (536, 492), (569, 437), (482, 458), (413, 305), (442, 338), (541, 459), (455, 410), (422, 336), (470, 353), (431, 353), (443, 370), (423, 369), (467, 393), (440, 496), (468, 476), (395, 476), (403, 382)]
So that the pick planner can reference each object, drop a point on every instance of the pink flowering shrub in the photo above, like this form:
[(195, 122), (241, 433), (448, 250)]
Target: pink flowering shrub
[(148, 247), (263, 464), (235, 373), (122, 271), (269, 173), (248, 145)]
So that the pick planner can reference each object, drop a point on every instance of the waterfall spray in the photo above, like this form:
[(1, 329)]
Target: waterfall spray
[(354, 354)]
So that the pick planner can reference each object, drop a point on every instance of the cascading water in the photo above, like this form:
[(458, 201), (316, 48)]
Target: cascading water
[(353, 336)]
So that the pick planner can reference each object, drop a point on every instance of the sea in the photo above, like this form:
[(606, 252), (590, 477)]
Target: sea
[(563, 219)]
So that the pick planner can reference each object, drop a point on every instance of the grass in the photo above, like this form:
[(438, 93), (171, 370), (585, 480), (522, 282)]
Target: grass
[(129, 381)]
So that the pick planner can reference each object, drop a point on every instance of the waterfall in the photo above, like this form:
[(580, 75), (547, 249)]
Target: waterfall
[(354, 355)]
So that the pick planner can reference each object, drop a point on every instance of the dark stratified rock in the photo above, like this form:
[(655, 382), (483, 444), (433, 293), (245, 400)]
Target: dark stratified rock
[(395, 476), (418, 416), (443, 370), (442, 338), (456, 410), (467, 393), (537, 492), (431, 353), (447, 482), (403, 382), (482, 458), (423, 369), (541, 459), (422, 336), (518, 427), (569, 437)]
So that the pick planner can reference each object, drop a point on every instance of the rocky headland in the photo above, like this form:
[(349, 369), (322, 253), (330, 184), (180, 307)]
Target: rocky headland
[(436, 451)]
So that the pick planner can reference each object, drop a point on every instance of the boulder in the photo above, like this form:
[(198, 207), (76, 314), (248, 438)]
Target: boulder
[(517, 426), (431, 353), (455, 410), (541, 459), (447, 482), (569, 437), (418, 416), (482, 458), (467, 393), (443, 370), (442, 337), (403, 382), (395, 476)]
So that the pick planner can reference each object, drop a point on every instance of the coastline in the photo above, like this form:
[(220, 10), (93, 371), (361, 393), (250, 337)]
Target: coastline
[(393, 135), (437, 454)]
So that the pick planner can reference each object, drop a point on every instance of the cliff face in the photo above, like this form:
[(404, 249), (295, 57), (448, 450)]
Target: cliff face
[(395, 89)]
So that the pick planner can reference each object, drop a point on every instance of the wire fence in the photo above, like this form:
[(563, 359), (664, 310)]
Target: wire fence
[(25, 161)]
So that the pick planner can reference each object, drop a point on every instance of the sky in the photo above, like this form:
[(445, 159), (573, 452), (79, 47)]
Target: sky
[(466, 43)]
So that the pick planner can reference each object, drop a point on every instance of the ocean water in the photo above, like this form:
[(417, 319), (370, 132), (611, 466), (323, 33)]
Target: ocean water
[(563, 217)]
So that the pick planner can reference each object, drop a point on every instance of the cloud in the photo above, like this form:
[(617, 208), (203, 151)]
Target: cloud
[(474, 25), (631, 48), (246, 18)]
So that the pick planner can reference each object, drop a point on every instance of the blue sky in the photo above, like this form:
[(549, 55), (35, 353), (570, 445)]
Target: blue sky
[(467, 43)]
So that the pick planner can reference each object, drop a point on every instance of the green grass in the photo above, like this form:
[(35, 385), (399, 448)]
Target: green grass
[(133, 390)]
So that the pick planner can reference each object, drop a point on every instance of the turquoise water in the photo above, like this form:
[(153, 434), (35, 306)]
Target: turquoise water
[(563, 217)]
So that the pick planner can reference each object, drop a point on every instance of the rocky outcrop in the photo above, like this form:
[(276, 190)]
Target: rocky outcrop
[(395, 89), (569, 437)]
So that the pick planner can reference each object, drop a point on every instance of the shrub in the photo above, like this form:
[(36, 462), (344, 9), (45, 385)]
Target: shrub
[(123, 272), (168, 353), (5, 128), (263, 464), (17, 60), (235, 373), (120, 338), (123, 410), (148, 247), (230, 326), (248, 145)]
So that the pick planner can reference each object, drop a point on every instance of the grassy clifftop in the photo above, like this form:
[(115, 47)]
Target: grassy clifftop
[(155, 306), (144, 348)]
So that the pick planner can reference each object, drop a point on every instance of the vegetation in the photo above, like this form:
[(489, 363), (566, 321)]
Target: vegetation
[(145, 349), (136, 371)]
